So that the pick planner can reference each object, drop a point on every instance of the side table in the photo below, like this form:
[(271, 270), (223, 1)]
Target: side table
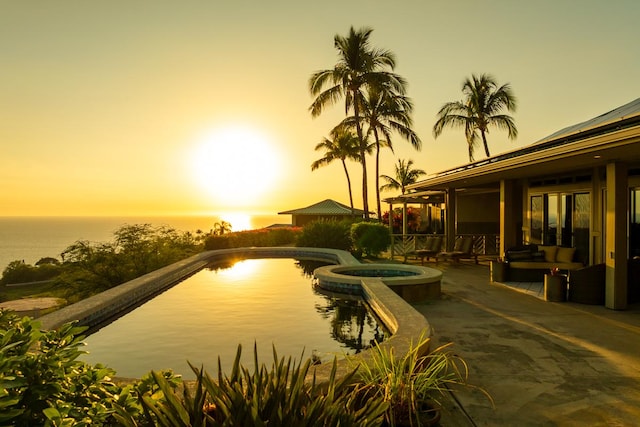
[(555, 287)]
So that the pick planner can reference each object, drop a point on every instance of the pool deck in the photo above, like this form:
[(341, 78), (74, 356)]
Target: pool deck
[(543, 363)]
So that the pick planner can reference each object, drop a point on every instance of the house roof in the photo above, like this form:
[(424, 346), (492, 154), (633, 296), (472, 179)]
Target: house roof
[(627, 111), (325, 207), (612, 136)]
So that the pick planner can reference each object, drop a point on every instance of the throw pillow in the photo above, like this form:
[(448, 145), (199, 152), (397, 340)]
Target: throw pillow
[(549, 253), (565, 254)]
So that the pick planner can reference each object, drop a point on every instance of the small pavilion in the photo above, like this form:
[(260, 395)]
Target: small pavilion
[(328, 210)]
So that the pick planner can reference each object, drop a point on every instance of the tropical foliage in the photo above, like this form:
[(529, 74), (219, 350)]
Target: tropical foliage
[(408, 381), (386, 111), (136, 250), (405, 175), (370, 238), (43, 383), (326, 234), (413, 220), (21, 272), (89, 267), (359, 67), (262, 237), (481, 108), (279, 396)]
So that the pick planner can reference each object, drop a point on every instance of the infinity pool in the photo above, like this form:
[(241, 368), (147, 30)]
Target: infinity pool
[(267, 301)]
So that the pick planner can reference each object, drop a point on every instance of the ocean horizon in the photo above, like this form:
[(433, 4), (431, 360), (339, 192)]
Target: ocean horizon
[(29, 239)]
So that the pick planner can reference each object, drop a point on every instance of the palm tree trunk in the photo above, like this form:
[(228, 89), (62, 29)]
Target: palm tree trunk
[(470, 144), (363, 158), (486, 145), (379, 209), (346, 172)]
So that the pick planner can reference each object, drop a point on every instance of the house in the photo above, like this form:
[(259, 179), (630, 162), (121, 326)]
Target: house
[(328, 210), (579, 187)]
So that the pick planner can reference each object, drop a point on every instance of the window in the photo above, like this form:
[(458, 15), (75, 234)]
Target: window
[(562, 219)]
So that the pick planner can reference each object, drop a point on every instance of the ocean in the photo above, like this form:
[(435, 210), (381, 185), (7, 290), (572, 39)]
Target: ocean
[(29, 239)]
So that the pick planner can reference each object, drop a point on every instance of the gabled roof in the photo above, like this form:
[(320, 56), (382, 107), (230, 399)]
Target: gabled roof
[(325, 207)]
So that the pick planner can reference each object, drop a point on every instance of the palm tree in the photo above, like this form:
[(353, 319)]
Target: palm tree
[(386, 111), (405, 176), (359, 65), (221, 227), (343, 145), (480, 109)]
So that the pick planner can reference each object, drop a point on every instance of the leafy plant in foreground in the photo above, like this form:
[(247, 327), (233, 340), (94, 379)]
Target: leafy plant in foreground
[(280, 396)]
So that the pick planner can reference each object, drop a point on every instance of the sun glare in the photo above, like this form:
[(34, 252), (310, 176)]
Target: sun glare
[(236, 166), (239, 221)]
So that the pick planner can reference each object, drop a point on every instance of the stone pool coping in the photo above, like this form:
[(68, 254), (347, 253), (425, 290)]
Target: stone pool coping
[(405, 323)]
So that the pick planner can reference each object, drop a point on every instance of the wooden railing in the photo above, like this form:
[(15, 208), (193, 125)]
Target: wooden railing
[(483, 244)]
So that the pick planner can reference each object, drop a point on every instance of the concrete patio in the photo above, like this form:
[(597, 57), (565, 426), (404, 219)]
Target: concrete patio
[(543, 363)]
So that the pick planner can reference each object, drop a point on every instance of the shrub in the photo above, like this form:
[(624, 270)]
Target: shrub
[(326, 234), (370, 238), (261, 238), (20, 272), (42, 382)]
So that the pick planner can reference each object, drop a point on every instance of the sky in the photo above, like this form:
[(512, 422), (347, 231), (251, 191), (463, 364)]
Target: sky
[(162, 107)]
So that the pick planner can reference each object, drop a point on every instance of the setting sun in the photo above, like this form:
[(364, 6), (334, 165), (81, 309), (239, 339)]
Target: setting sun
[(235, 165)]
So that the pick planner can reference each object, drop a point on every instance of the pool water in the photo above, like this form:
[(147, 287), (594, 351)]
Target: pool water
[(266, 301)]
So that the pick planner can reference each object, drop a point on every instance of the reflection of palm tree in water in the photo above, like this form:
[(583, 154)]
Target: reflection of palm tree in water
[(309, 265), (349, 317)]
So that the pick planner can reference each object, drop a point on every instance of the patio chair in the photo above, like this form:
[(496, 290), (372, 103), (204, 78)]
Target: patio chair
[(462, 249), (587, 285), (431, 249)]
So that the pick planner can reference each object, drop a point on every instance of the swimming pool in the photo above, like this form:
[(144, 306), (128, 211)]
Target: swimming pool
[(266, 300)]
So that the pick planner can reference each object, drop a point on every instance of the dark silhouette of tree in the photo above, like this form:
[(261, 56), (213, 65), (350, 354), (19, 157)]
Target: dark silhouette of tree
[(405, 175), (343, 145), (480, 109), (359, 66), (384, 112)]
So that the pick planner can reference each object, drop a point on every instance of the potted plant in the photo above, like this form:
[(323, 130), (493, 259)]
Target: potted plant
[(411, 383)]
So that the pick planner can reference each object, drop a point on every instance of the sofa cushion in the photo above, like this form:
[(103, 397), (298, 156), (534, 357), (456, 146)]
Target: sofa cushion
[(565, 254), (519, 255), (549, 252), (537, 255), (545, 265)]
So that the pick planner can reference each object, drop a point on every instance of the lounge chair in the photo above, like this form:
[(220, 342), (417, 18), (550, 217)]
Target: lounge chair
[(431, 249), (463, 249), (587, 285)]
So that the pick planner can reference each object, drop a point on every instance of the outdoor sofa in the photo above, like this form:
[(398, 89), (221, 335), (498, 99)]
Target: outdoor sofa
[(529, 263)]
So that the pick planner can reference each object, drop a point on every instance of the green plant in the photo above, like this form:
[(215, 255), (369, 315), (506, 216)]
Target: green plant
[(370, 238), (406, 382), (326, 234), (280, 396), (43, 383)]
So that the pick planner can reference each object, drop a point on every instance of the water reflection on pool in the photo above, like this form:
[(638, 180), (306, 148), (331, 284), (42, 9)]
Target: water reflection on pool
[(263, 300)]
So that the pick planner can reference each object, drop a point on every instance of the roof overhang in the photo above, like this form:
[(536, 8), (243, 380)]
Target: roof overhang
[(559, 157), (418, 197)]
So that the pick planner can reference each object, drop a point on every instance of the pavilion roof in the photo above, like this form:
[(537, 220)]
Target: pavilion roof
[(325, 207)]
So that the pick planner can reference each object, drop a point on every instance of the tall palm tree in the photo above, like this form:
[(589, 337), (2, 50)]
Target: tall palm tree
[(359, 65), (480, 109), (343, 145), (405, 175), (385, 111)]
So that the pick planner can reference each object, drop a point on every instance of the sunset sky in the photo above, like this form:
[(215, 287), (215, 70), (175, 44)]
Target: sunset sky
[(176, 108)]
